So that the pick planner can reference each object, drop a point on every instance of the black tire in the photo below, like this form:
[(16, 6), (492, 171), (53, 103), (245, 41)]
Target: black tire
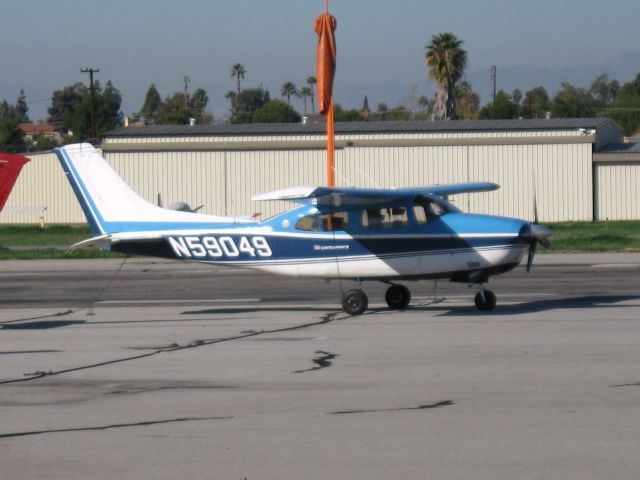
[(489, 302), (398, 297), (355, 302)]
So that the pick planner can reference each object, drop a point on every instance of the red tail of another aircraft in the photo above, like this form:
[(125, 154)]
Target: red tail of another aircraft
[(10, 166)]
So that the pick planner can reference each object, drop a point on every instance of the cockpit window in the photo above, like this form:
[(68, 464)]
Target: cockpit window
[(385, 217), (324, 222), (425, 210)]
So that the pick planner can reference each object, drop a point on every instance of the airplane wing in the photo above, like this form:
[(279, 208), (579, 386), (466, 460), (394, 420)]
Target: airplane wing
[(365, 196), (10, 166)]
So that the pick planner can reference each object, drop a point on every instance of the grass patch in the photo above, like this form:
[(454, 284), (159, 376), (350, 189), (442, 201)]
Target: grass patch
[(27, 235), (28, 242), (623, 236)]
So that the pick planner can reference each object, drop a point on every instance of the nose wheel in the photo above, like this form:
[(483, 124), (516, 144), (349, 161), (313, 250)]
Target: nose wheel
[(398, 297), (485, 300)]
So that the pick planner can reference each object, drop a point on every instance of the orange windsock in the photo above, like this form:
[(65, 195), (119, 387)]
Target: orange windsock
[(324, 26)]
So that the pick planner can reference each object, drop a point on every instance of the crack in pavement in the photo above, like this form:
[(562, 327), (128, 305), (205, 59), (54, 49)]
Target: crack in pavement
[(445, 403), (108, 427), (330, 317), (323, 360)]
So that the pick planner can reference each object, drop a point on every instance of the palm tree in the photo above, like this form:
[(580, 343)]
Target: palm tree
[(289, 89), (446, 61), (238, 71), (304, 93), (312, 81)]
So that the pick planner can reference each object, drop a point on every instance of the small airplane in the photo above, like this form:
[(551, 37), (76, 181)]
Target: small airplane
[(359, 234), (10, 167)]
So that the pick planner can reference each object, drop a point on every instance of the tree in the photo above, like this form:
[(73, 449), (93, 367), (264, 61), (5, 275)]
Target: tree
[(467, 102), (152, 102), (516, 96), (276, 111), (399, 113), (603, 91), (536, 103), (22, 109), (172, 111), (11, 137), (572, 102), (501, 108), (246, 103), (71, 108), (289, 90), (305, 92), (342, 115), (382, 110), (64, 104), (108, 111), (311, 81), (198, 104), (423, 102), (238, 71), (446, 62), (41, 143), (625, 110)]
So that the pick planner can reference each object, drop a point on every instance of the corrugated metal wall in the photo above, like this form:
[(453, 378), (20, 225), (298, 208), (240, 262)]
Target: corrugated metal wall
[(42, 184), (618, 187), (224, 181), (197, 178), (561, 174)]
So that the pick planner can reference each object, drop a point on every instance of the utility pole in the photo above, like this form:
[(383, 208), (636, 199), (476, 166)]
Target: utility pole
[(91, 71), (494, 74), (187, 80)]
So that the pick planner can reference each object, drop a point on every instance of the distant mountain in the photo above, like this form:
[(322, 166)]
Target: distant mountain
[(622, 68)]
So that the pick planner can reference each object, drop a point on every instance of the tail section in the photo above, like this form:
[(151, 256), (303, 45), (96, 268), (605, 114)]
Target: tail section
[(10, 167), (110, 205)]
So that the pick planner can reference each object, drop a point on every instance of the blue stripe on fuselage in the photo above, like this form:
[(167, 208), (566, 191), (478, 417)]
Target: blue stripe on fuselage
[(86, 204)]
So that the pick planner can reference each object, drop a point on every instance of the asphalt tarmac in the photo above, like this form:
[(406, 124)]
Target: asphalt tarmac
[(168, 370)]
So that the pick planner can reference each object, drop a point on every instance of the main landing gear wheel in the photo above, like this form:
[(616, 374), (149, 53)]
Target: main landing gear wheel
[(355, 302), (488, 302), (398, 297)]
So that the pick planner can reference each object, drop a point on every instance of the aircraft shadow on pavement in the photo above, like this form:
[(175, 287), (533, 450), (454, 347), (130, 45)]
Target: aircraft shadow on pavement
[(263, 308), (41, 325), (536, 306)]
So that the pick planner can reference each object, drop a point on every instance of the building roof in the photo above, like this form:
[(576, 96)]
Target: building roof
[(621, 148), (36, 128), (257, 129), (618, 152)]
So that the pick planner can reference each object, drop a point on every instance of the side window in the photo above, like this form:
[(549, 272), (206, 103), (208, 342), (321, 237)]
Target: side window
[(420, 214), (385, 217), (324, 222), (425, 210)]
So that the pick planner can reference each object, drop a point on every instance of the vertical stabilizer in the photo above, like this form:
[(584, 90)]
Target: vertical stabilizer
[(110, 205)]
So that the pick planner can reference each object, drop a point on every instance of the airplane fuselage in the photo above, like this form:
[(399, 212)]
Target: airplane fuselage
[(348, 245)]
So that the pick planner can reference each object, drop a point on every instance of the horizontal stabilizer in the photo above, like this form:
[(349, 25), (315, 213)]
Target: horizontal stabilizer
[(101, 241)]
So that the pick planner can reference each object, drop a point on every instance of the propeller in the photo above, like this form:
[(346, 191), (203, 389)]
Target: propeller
[(537, 233)]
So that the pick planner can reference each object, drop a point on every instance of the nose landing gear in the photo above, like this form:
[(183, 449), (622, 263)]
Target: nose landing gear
[(485, 299)]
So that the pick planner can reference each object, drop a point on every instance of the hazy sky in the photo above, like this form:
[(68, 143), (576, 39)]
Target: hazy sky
[(381, 43)]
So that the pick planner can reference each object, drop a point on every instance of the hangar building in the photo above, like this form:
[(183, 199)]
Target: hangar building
[(580, 169)]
